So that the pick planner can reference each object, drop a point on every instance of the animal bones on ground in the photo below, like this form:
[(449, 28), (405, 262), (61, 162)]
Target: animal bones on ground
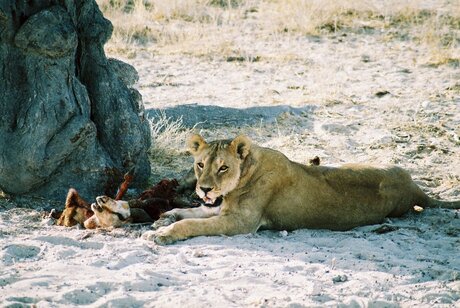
[(147, 207)]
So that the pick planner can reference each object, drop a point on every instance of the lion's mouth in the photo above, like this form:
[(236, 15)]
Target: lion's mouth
[(209, 202)]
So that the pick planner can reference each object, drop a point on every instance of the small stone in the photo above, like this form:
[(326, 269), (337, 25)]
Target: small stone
[(283, 233), (340, 278), (382, 93)]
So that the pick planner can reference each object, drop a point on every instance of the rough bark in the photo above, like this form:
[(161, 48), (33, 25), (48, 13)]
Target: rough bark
[(68, 115)]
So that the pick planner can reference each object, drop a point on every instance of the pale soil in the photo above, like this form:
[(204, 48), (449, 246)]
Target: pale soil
[(323, 100), (315, 96)]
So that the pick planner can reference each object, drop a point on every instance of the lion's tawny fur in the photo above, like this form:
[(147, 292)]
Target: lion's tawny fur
[(263, 189)]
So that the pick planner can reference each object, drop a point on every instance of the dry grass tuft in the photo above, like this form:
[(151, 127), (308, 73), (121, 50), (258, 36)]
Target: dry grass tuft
[(140, 22), (210, 27), (168, 135), (167, 154)]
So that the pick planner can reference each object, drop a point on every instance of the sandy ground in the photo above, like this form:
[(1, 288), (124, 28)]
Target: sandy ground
[(352, 98)]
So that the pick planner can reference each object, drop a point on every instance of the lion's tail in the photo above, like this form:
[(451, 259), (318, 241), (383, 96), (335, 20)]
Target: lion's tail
[(443, 204)]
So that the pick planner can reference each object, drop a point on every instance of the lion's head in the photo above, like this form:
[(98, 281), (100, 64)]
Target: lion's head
[(108, 213), (217, 165)]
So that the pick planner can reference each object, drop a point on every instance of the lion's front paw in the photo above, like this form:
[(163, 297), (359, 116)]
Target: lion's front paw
[(165, 220), (148, 235), (162, 236)]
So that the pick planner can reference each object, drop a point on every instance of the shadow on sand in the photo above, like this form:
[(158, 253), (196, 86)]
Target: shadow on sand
[(207, 116)]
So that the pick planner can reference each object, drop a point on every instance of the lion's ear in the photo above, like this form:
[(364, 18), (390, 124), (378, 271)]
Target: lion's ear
[(195, 144), (241, 145)]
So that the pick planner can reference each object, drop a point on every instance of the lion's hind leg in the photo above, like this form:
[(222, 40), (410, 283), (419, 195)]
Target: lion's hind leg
[(401, 196)]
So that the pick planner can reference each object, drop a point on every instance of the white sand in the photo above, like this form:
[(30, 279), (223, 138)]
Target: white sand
[(416, 126), (415, 265)]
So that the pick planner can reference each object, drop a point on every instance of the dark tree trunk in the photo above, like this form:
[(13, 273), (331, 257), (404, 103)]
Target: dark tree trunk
[(68, 115)]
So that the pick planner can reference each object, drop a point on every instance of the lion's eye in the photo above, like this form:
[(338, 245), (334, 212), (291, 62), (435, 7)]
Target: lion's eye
[(223, 168), (200, 165)]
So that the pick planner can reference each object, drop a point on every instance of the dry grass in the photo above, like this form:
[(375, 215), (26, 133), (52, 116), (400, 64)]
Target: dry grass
[(406, 34), (209, 27), (167, 133), (167, 154)]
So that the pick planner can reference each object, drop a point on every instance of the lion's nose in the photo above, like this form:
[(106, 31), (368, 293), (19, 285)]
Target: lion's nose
[(206, 189)]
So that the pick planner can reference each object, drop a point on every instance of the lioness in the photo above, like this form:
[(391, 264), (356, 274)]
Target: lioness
[(262, 189)]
